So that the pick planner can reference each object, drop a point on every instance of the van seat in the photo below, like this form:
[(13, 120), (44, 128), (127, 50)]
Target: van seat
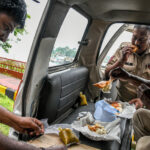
[(61, 91)]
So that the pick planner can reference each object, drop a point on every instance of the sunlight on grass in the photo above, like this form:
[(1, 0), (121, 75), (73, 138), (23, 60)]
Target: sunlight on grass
[(8, 104)]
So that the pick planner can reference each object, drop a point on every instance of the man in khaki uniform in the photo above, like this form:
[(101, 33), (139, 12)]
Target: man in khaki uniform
[(141, 118), (137, 63)]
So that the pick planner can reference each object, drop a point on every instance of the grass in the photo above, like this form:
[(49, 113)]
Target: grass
[(8, 104)]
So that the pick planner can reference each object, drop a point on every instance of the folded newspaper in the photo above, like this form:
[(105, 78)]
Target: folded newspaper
[(85, 119)]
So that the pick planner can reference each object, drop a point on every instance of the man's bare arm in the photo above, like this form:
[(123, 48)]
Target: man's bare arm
[(7, 117), (10, 144), (22, 124), (126, 51)]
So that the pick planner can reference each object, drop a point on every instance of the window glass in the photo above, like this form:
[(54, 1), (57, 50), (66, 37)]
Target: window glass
[(125, 36), (66, 45), (110, 32)]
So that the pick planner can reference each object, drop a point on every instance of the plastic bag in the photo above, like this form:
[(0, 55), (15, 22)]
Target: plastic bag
[(105, 112), (113, 130)]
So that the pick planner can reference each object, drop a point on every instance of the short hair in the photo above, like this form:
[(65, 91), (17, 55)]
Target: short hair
[(15, 9), (146, 27)]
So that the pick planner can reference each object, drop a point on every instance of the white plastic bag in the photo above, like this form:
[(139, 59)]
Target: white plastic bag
[(113, 128), (104, 112)]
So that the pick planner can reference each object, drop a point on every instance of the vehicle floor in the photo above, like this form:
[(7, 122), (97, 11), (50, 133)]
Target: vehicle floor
[(126, 128), (87, 108), (103, 145)]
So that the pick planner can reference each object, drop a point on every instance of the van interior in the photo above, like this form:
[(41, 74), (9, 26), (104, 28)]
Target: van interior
[(53, 81)]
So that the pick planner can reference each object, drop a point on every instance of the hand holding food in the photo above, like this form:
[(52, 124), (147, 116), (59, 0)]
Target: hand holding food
[(28, 125), (98, 128), (127, 50)]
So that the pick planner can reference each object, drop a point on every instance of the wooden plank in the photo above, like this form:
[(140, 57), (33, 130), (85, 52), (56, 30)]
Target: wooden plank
[(48, 140), (82, 147)]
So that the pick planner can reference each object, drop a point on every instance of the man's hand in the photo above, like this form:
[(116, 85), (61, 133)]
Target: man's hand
[(138, 103), (125, 54), (119, 73), (126, 51), (29, 126), (57, 148)]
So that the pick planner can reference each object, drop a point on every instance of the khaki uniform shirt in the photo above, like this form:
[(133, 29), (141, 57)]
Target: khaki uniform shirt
[(137, 65)]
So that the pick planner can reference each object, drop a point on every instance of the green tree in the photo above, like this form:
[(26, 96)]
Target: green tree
[(64, 51)]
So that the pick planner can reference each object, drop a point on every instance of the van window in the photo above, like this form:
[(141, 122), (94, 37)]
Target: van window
[(110, 32), (66, 45), (124, 36)]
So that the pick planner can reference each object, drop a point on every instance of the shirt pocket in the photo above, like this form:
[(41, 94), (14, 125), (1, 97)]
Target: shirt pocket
[(130, 67)]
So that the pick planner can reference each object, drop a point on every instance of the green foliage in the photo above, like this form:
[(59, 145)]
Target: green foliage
[(17, 32), (64, 51), (5, 46), (28, 16), (8, 104)]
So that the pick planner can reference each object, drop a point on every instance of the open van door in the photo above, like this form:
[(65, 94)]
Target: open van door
[(54, 77)]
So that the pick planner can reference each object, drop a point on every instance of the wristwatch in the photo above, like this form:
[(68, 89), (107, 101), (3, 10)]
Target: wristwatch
[(42, 148)]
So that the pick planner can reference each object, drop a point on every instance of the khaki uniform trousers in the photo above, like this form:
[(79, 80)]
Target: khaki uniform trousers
[(141, 125), (143, 143)]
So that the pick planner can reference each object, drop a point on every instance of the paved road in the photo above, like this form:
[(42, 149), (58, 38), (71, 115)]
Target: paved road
[(9, 82)]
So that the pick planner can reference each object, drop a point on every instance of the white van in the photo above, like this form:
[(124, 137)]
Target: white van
[(68, 55)]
